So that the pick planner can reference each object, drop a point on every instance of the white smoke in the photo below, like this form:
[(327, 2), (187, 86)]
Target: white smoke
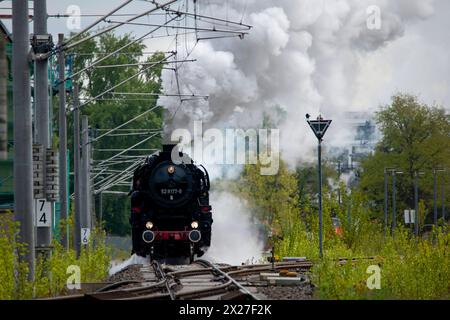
[(302, 56), (234, 237), (133, 260)]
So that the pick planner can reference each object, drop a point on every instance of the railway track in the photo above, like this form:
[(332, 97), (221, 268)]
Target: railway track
[(197, 281)]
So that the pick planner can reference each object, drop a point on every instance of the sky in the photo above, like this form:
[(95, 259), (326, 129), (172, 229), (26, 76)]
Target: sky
[(417, 62), (302, 56)]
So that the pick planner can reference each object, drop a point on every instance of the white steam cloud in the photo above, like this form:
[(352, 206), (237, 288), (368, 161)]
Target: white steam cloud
[(234, 236), (302, 56)]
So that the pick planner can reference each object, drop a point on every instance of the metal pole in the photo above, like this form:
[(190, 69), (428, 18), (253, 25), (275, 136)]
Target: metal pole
[(394, 216), (43, 234), (23, 161), (443, 201), (385, 202), (349, 211), (416, 205), (84, 194), (76, 155), (100, 209), (319, 154), (90, 211), (3, 100), (62, 141), (339, 183), (435, 198)]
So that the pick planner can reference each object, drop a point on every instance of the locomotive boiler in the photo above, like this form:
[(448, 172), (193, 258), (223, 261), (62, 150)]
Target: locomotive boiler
[(170, 211)]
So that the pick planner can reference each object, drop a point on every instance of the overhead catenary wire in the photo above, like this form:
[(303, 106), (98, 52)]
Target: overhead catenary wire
[(112, 53), (123, 124), (103, 31), (132, 147), (141, 64), (121, 83), (117, 177), (198, 29), (97, 22)]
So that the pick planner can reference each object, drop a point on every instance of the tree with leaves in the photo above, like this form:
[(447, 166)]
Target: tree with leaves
[(415, 138), (111, 110)]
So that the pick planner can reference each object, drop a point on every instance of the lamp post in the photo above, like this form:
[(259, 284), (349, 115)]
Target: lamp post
[(319, 127)]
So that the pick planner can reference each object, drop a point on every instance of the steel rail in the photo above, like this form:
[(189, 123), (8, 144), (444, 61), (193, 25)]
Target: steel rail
[(161, 274), (227, 276)]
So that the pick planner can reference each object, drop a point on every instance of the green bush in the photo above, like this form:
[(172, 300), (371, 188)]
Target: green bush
[(50, 274)]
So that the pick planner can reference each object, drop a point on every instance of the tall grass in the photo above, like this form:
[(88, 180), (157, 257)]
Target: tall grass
[(411, 267), (50, 274)]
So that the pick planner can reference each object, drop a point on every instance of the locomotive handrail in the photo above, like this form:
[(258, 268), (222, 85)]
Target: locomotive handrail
[(208, 185)]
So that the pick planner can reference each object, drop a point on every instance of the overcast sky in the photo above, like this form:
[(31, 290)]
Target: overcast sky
[(417, 62)]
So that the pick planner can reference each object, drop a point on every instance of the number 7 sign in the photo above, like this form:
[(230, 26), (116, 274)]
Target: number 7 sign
[(43, 213)]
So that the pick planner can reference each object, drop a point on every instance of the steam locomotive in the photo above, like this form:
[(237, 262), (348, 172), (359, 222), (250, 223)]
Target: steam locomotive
[(170, 212)]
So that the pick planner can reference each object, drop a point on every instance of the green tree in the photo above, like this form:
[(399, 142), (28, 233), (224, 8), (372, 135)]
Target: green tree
[(273, 199), (416, 137), (111, 110)]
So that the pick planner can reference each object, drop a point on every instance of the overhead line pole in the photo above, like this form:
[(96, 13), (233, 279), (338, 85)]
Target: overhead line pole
[(23, 161), (43, 234), (84, 172), (76, 155), (62, 141)]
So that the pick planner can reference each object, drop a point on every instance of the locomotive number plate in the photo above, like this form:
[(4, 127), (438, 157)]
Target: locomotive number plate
[(171, 191)]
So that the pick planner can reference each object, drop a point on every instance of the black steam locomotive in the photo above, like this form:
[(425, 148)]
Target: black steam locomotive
[(170, 212)]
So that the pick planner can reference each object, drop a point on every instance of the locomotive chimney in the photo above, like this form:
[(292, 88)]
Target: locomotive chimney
[(168, 147)]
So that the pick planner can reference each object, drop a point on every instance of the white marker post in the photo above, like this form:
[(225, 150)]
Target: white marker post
[(43, 213)]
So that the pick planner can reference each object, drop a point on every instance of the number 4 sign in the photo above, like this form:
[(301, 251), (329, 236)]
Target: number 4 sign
[(43, 213)]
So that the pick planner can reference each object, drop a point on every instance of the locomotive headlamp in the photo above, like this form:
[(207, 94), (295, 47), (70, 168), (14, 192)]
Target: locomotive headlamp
[(149, 225), (171, 169), (194, 224)]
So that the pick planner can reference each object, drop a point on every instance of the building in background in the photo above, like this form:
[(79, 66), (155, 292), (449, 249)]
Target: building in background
[(366, 136), (361, 141)]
